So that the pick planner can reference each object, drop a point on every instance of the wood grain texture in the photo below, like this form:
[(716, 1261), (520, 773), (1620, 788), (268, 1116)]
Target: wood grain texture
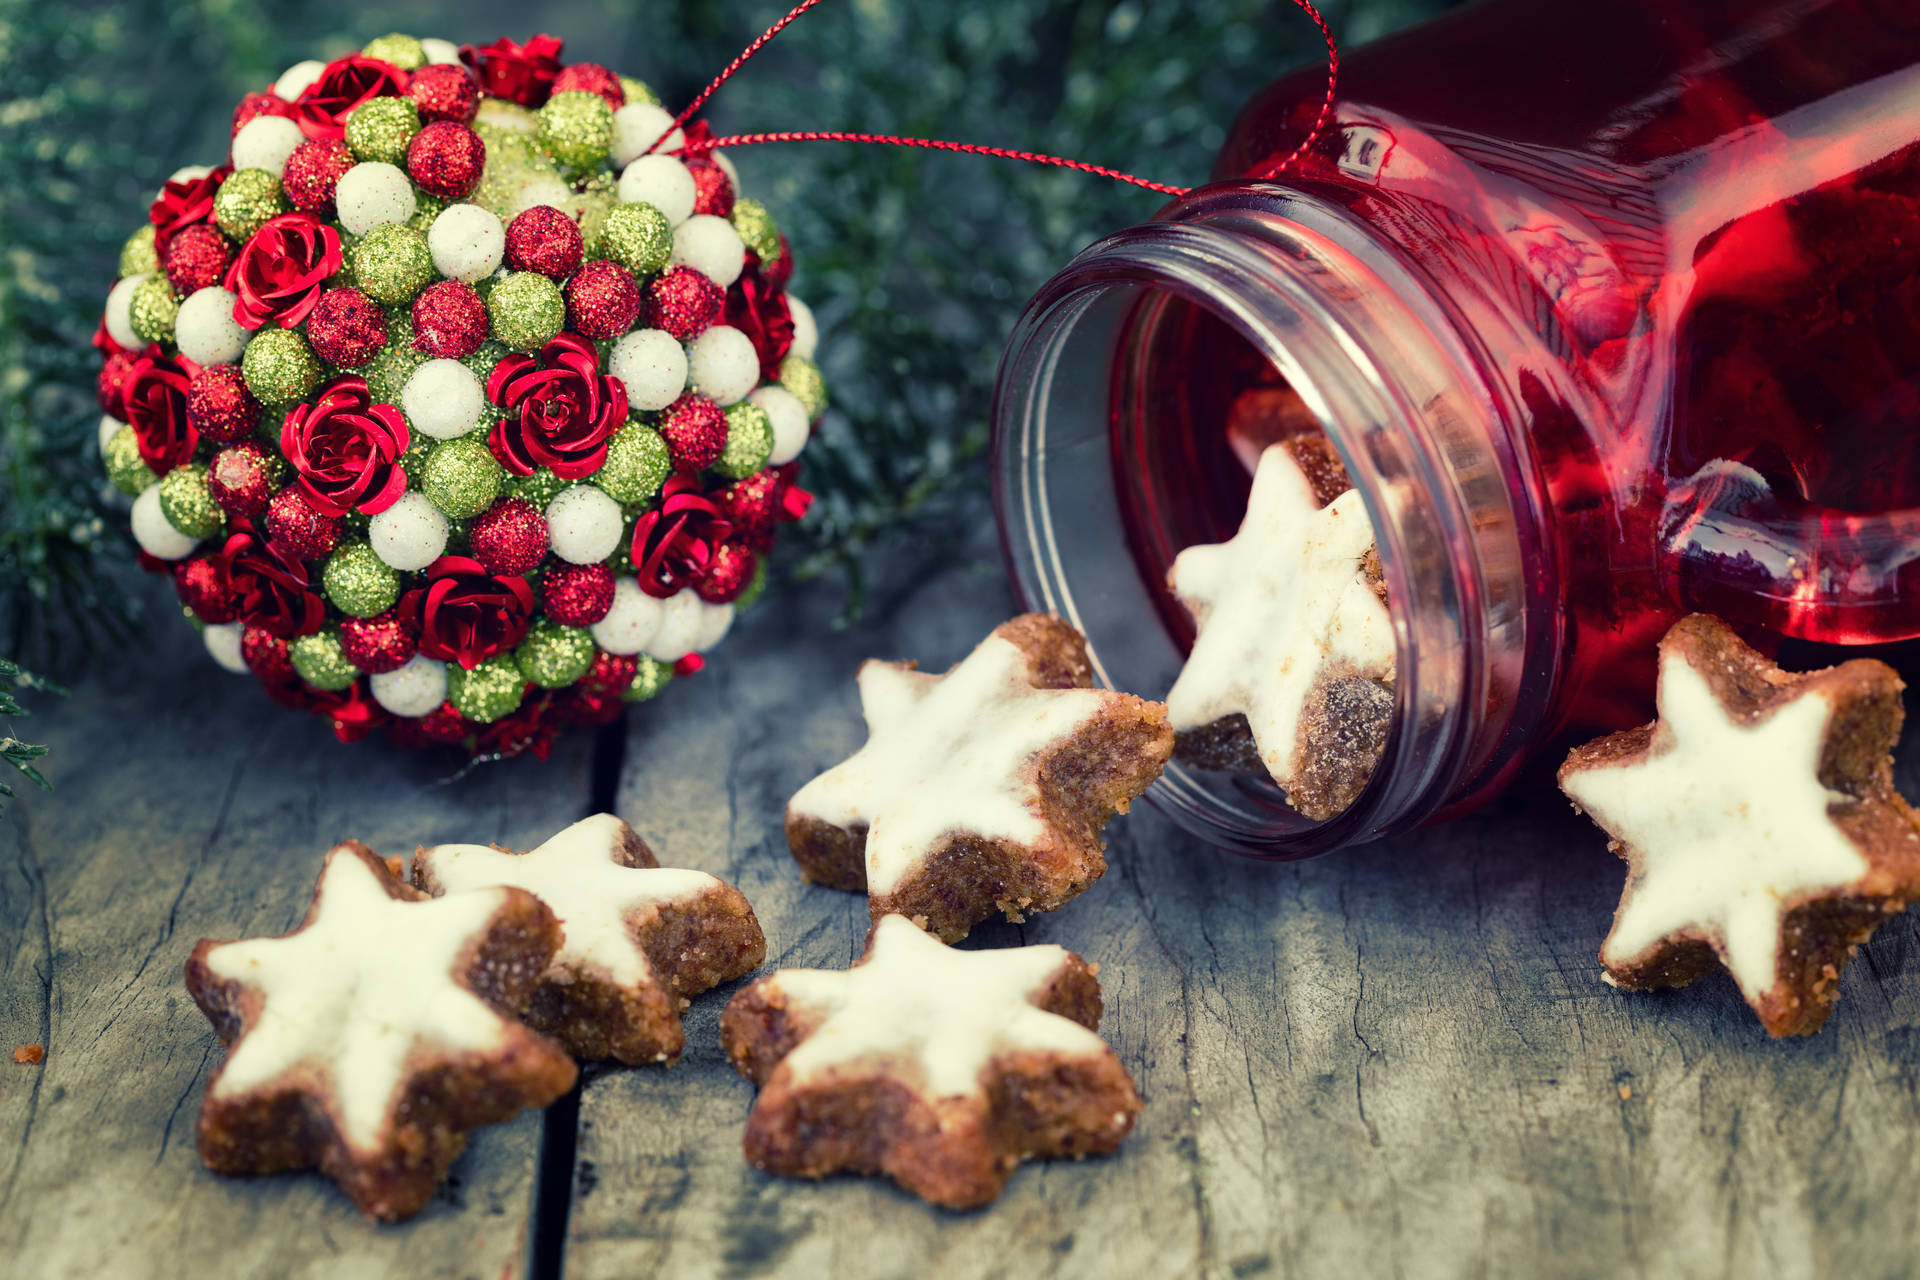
[(1400, 1061), (185, 808)]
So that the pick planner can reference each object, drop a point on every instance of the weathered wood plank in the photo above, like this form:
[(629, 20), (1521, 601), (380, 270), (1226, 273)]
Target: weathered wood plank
[(190, 807), (1401, 1060)]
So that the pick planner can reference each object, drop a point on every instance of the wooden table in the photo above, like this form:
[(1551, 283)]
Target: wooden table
[(1398, 1061)]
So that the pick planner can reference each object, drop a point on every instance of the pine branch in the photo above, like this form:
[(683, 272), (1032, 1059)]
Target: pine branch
[(21, 755)]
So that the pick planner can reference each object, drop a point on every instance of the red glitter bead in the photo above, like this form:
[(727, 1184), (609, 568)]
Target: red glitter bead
[(449, 320), (266, 655), (546, 240), (219, 405), (684, 303), (197, 257), (293, 523), (780, 270), (713, 190), (241, 478), (446, 158), (112, 383), (444, 91), (610, 673), (695, 431), (379, 644), (591, 77), (577, 595), (203, 588), (347, 328), (729, 574), (603, 301), (442, 724), (255, 105), (509, 537), (313, 171)]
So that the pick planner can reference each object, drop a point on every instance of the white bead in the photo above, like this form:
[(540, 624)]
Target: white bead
[(806, 334), (722, 364), (445, 52), (205, 327), (681, 623), (632, 620), (413, 690), (223, 642), (189, 172), (373, 194), (636, 126), (710, 246), (715, 619), (652, 367), (443, 399), (120, 312), (545, 189), (294, 80), (791, 430), (467, 243), (109, 428), (410, 534), (150, 528), (664, 183), (584, 524), (265, 142)]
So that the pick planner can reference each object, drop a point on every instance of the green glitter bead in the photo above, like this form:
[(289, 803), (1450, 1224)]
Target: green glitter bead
[(397, 50), (802, 377), (138, 253), (637, 464), (487, 692), (358, 582), (392, 264), (246, 200), (638, 237), (650, 676), (461, 477), (381, 128), (153, 309), (187, 502), (749, 441), (426, 207), (279, 368), (638, 91), (526, 309), (576, 128), (554, 656), (596, 202), (321, 662), (500, 117), (758, 231), (754, 589), (393, 364), (125, 467)]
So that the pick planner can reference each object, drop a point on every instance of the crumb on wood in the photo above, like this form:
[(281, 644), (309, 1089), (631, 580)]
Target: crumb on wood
[(1626, 1091), (30, 1055)]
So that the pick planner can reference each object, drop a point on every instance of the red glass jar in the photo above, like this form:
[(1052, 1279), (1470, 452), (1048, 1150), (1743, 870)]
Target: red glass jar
[(1612, 311)]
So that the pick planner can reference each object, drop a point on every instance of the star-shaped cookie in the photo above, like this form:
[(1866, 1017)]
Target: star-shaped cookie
[(640, 938), (1293, 642), (942, 1069), (985, 787), (369, 1040), (1758, 821)]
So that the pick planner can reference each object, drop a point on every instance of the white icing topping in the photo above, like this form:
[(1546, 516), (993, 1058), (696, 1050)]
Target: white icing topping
[(1272, 605), (355, 994), (1729, 821), (943, 754), (934, 1015), (575, 875)]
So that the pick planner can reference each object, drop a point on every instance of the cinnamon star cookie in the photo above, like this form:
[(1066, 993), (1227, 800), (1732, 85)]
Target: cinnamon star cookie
[(1758, 821), (369, 1040), (942, 1069), (640, 938), (985, 787)]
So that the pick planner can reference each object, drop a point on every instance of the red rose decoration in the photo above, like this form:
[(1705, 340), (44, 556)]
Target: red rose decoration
[(182, 204), (531, 727), (347, 449), (351, 711), (282, 270), (465, 614), (156, 408), (560, 409), (674, 544), (322, 109), (759, 310), (523, 73), (269, 585)]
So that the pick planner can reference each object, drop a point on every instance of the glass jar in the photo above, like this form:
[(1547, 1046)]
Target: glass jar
[(1612, 312)]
